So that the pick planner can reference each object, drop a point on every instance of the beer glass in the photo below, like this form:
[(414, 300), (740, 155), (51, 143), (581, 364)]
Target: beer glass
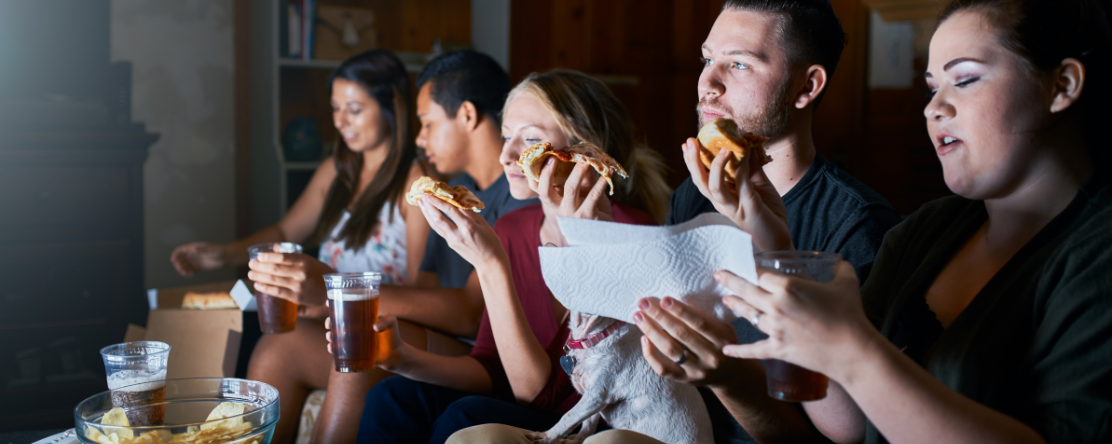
[(137, 377), (276, 315), (353, 306), (788, 382)]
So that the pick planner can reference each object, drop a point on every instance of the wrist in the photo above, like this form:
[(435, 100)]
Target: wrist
[(863, 354)]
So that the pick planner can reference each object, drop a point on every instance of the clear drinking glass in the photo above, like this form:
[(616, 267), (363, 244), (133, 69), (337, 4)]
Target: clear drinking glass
[(788, 382), (276, 315), (137, 376), (353, 306)]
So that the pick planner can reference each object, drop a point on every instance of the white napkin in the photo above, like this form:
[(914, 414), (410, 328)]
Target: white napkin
[(607, 267)]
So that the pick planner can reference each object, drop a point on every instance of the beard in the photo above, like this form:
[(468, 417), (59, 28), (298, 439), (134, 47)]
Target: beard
[(770, 121)]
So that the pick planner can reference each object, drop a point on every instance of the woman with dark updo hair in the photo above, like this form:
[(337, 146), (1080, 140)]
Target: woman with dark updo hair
[(988, 315)]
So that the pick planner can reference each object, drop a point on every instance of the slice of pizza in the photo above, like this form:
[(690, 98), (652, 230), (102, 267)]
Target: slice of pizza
[(533, 159), (460, 196)]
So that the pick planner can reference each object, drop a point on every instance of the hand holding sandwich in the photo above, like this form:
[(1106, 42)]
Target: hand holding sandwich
[(466, 232), (747, 197)]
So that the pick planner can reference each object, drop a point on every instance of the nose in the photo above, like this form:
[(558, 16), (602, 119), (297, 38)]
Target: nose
[(939, 108), (710, 85), (422, 138), (508, 155), (338, 119)]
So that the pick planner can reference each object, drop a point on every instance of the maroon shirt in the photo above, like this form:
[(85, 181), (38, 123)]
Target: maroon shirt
[(519, 231)]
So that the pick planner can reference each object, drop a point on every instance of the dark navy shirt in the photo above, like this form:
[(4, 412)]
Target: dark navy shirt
[(828, 210)]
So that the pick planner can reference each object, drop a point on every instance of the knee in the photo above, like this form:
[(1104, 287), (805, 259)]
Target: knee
[(392, 388), (488, 433)]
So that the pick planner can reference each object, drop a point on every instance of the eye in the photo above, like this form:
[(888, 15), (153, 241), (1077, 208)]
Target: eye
[(356, 110), (706, 61), (739, 65), (533, 141), (505, 139), (967, 82)]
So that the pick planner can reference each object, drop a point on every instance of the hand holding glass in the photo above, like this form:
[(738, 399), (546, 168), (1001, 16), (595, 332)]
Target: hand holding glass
[(276, 315)]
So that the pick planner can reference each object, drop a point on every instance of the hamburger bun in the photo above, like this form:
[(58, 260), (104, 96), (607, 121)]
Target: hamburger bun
[(723, 134)]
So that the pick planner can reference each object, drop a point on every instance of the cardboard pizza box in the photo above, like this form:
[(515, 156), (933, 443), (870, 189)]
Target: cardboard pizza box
[(203, 343)]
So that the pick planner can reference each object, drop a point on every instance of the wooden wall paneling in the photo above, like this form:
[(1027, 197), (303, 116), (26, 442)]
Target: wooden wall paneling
[(839, 121), (450, 22), (530, 37)]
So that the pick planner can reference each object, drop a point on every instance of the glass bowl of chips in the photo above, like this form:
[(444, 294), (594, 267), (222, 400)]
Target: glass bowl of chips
[(195, 410)]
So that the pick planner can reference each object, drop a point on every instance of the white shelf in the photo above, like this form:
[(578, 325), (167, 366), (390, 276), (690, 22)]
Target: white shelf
[(414, 62)]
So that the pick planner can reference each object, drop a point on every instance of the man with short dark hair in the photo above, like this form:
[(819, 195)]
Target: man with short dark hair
[(459, 104), (767, 64)]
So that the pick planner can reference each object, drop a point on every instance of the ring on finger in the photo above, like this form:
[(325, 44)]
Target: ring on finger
[(683, 358), (756, 319)]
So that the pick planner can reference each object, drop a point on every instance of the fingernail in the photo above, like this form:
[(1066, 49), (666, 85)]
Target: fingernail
[(718, 276), (644, 304), (638, 318), (251, 275), (667, 302)]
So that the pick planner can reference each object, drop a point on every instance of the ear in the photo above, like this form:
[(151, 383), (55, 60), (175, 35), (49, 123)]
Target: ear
[(467, 115), (814, 83), (1069, 81)]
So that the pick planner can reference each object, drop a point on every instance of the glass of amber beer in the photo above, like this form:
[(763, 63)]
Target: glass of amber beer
[(353, 306), (276, 315), (788, 382), (137, 377)]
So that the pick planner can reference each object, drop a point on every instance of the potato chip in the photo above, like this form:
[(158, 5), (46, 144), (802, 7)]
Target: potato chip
[(117, 417), (225, 410)]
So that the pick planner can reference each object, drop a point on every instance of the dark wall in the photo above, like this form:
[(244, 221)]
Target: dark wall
[(53, 47)]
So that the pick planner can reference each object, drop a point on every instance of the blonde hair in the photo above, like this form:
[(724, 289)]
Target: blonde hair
[(587, 111)]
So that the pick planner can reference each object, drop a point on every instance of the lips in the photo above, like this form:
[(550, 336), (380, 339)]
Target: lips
[(711, 114), (946, 143)]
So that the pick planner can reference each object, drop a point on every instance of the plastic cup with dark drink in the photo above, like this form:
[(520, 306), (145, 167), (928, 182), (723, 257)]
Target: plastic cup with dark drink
[(137, 377), (276, 315), (353, 306), (789, 382)]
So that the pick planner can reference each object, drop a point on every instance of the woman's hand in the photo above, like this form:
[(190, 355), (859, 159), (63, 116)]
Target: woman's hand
[(466, 231), (676, 332), (585, 200), (808, 323), (198, 256), (753, 203), (295, 277)]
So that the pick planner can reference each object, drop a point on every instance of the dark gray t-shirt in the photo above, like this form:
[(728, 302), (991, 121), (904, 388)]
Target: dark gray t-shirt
[(828, 210), (450, 268)]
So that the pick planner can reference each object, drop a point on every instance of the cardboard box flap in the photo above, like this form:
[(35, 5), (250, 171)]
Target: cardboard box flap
[(204, 343)]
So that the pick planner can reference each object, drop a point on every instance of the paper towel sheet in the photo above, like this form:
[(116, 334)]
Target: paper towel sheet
[(607, 267)]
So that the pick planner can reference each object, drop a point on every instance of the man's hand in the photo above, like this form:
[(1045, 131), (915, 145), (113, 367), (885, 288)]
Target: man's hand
[(295, 277), (753, 203), (676, 332)]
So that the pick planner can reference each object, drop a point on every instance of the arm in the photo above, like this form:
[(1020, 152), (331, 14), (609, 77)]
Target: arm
[(525, 360), (827, 331), (451, 310), (296, 226), (416, 230)]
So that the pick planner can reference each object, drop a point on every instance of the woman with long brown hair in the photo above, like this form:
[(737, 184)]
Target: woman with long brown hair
[(354, 208)]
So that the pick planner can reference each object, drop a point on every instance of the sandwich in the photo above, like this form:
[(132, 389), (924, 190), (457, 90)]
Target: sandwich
[(720, 134), (460, 197), (208, 301), (533, 159)]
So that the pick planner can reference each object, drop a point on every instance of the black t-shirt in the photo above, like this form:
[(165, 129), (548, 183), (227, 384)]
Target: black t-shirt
[(452, 269), (828, 210), (1034, 344)]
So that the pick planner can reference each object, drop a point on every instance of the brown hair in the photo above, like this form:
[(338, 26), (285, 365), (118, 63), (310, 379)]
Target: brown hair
[(587, 111), (383, 77), (1043, 33)]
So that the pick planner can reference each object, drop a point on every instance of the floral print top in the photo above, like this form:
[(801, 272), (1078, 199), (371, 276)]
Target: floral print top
[(384, 251)]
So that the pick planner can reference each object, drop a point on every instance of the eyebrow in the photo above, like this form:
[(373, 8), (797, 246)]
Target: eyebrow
[(955, 62), (742, 52)]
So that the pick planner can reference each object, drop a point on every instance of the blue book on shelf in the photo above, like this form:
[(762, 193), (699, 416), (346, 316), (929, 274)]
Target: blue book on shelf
[(309, 13)]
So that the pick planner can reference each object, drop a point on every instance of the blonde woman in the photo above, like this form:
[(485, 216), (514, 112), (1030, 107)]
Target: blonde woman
[(514, 365)]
